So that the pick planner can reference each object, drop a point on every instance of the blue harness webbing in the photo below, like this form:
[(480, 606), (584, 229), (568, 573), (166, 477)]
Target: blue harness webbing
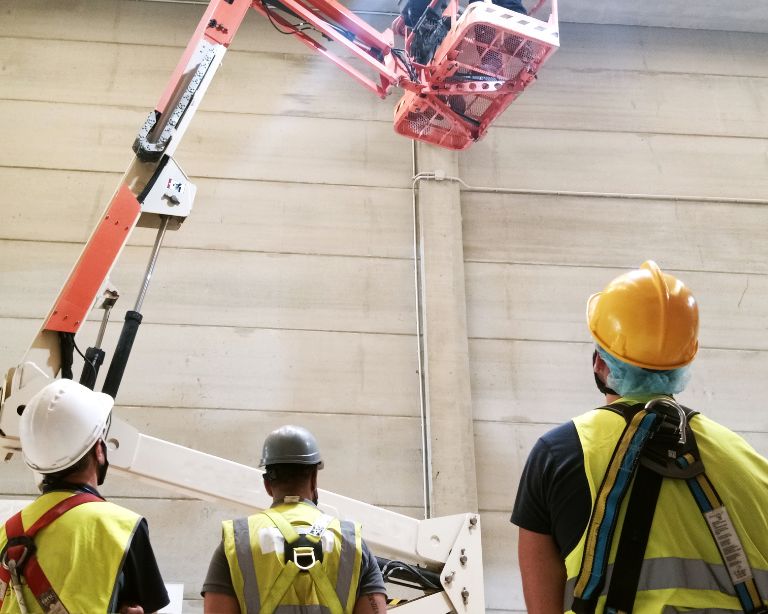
[(728, 544), (678, 459)]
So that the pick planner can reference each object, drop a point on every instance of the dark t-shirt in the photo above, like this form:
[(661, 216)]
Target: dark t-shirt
[(139, 581), (553, 496)]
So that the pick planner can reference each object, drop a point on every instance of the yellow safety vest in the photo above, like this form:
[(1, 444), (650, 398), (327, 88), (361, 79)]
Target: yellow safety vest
[(255, 573), (682, 568), (81, 552)]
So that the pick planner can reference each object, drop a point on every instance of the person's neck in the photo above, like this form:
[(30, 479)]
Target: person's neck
[(302, 494), (87, 477), (611, 398)]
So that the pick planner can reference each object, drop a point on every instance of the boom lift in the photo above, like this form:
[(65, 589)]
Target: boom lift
[(479, 67)]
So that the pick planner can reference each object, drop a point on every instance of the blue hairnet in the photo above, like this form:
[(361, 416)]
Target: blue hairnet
[(627, 379)]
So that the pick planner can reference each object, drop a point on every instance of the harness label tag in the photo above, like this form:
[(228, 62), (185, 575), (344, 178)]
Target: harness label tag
[(320, 525), (729, 545)]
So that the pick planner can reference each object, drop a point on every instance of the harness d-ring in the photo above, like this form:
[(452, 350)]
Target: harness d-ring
[(682, 425)]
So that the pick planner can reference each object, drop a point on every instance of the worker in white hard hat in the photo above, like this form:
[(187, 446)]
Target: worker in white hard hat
[(643, 505), (293, 557), (70, 550)]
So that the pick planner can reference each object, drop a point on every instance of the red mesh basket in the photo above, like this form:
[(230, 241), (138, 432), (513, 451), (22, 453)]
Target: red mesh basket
[(490, 42), (426, 118), (485, 62)]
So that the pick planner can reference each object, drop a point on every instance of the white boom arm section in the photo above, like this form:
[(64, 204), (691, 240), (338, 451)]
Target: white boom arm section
[(448, 545), (154, 192)]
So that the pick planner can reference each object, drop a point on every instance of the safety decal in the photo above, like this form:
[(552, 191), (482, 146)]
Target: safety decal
[(729, 545)]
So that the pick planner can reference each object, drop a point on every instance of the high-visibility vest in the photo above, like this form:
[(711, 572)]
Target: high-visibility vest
[(255, 552), (81, 553), (682, 567)]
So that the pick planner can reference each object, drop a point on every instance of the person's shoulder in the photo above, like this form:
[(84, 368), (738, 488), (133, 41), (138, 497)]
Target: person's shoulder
[(709, 432), (720, 448), (703, 421), (118, 509), (706, 428), (562, 434), (557, 447), (106, 512)]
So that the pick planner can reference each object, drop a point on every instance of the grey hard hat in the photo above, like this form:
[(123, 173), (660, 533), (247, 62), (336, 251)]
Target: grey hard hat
[(291, 445)]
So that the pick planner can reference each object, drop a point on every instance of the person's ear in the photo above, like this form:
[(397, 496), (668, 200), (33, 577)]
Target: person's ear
[(314, 478), (600, 367), (100, 450)]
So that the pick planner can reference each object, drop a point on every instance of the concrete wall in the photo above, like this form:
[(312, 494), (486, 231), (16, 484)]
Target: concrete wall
[(288, 295), (628, 111)]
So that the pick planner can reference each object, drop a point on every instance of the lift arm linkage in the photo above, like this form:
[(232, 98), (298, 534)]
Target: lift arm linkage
[(154, 192)]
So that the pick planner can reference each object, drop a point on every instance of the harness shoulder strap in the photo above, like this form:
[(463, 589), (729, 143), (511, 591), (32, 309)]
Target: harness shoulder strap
[(19, 556), (286, 528), (605, 511), (727, 540), (633, 540), (280, 587), (292, 569), (670, 451)]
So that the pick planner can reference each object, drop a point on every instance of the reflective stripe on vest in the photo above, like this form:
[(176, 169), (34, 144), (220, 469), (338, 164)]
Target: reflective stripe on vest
[(250, 567), (85, 578), (247, 568), (671, 573), (301, 609), (682, 566), (347, 562)]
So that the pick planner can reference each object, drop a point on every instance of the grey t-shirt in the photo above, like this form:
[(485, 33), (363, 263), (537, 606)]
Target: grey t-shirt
[(219, 578)]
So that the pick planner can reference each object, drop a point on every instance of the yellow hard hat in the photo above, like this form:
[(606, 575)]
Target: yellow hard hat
[(646, 318)]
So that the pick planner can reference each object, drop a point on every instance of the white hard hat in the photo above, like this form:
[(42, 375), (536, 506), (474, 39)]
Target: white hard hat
[(61, 423)]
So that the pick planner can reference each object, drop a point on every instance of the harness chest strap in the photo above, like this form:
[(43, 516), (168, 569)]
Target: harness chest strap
[(291, 569), (623, 466), (20, 548)]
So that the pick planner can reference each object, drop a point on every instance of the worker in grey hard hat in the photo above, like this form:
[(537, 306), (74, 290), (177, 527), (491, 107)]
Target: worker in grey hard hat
[(290, 539), (290, 452)]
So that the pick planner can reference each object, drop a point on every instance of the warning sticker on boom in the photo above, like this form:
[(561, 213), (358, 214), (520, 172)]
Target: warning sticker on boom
[(729, 545)]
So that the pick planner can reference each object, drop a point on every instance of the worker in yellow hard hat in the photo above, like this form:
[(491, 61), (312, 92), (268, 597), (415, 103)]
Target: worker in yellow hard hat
[(643, 505)]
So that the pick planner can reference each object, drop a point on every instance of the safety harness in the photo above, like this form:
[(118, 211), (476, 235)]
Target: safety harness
[(303, 554), (18, 559), (657, 443)]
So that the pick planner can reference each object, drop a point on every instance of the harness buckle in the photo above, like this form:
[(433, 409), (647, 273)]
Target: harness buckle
[(302, 553), (16, 552)]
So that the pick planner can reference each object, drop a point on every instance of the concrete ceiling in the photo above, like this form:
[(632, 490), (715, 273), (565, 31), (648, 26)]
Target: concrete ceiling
[(730, 16)]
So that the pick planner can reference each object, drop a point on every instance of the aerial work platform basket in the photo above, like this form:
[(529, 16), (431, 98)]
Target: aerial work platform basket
[(487, 59), (459, 70)]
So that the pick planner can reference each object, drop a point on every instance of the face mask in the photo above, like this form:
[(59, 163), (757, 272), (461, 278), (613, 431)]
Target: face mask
[(600, 383)]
